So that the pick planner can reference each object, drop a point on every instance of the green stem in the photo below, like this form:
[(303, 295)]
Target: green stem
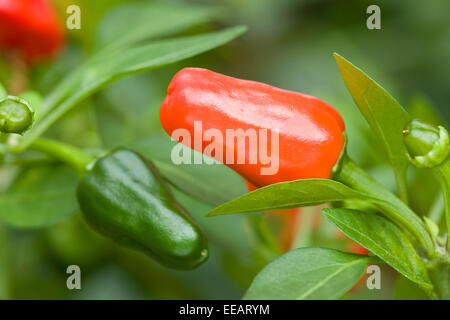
[(440, 276), (444, 175), (304, 234), (75, 157), (402, 189), (351, 174)]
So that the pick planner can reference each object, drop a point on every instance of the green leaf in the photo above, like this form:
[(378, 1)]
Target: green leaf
[(133, 22), (212, 184), (384, 239), (164, 20), (39, 196), (128, 109), (385, 115), (308, 273), (285, 195), (107, 68)]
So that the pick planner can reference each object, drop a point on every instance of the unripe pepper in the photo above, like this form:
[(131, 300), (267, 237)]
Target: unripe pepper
[(30, 28), (427, 145), (310, 131), (16, 115), (124, 198)]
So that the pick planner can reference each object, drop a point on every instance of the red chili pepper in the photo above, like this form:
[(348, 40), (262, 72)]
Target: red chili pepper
[(30, 28), (310, 131), (356, 248)]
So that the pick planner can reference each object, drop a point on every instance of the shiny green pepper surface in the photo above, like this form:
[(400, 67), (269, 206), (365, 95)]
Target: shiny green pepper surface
[(124, 198), (16, 115)]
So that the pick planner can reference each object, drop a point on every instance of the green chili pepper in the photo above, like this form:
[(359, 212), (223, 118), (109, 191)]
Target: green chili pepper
[(16, 115), (124, 198), (427, 145)]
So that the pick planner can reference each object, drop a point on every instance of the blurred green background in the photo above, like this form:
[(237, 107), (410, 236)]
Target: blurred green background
[(289, 44)]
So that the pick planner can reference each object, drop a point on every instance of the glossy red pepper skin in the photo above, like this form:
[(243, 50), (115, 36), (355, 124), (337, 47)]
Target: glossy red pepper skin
[(310, 131), (30, 29)]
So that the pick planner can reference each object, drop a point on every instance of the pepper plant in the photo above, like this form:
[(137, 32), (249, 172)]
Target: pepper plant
[(135, 196), (394, 233)]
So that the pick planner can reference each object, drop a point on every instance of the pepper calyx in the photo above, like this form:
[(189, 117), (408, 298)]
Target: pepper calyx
[(342, 157)]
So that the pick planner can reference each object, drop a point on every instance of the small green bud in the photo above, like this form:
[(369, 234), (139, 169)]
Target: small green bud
[(432, 227), (427, 145), (16, 115)]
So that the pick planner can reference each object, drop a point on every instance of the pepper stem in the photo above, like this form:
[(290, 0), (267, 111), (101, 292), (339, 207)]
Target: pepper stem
[(429, 147), (444, 175), (402, 188), (74, 157), (349, 173)]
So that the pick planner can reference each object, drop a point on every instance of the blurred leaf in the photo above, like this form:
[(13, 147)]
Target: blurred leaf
[(437, 209), (39, 197), (150, 20), (230, 231), (234, 238), (134, 22), (421, 108), (405, 289), (108, 283), (212, 184), (73, 240), (285, 195), (384, 114), (33, 275), (382, 173), (128, 109), (158, 282), (34, 98), (4, 265), (424, 185), (308, 274), (104, 69), (114, 126), (3, 92), (47, 77), (384, 239)]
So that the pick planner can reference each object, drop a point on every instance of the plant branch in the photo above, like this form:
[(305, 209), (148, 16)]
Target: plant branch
[(402, 188), (352, 175), (74, 157)]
